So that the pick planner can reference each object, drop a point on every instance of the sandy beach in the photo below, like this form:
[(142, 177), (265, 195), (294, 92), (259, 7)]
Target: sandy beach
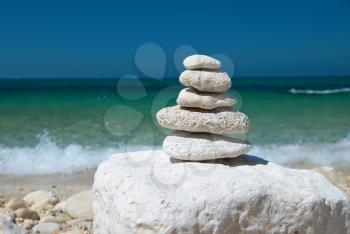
[(60, 188), (63, 185)]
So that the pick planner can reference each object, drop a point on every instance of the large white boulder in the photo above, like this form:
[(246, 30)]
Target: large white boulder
[(144, 192)]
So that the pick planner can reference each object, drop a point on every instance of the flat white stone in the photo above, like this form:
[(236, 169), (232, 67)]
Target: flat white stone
[(199, 61), (206, 81), (239, 195), (220, 121), (203, 146), (189, 97)]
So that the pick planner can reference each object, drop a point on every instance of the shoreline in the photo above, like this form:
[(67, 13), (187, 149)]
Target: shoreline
[(61, 184)]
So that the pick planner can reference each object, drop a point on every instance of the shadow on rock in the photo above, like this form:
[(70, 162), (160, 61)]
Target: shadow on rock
[(242, 160)]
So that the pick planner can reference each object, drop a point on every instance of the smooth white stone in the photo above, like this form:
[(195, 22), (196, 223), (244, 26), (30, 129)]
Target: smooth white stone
[(79, 206), (206, 81), (199, 61), (46, 228), (38, 197), (220, 121), (189, 97), (203, 146), (239, 195)]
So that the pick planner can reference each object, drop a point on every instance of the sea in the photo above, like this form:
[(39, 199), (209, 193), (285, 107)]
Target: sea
[(70, 125)]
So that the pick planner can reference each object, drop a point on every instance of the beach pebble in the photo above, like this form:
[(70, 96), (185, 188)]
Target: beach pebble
[(37, 196), (206, 81), (199, 61), (57, 218), (220, 121), (19, 220), (46, 228), (203, 146), (80, 205), (28, 224), (15, 203), (60, 206), (246, 194), (189, 97), (41, 200), (2, 201), (26, 213)]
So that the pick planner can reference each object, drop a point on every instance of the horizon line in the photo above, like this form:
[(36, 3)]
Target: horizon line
[(168, 78)]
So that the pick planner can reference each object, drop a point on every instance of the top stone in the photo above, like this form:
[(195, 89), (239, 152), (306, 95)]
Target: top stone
[(199, 61)]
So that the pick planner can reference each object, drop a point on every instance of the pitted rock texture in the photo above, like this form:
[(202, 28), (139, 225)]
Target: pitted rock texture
[(206, 80), (239, 195), (220, 121), (203, 146), (199, 61), (189, 97)]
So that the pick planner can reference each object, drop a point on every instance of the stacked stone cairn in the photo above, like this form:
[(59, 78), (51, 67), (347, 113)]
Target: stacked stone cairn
[(204, 119)]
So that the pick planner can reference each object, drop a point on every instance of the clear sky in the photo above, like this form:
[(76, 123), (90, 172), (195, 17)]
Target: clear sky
[(72, 38)]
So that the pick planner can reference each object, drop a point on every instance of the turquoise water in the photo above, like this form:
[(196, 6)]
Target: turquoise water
[(78, 123)]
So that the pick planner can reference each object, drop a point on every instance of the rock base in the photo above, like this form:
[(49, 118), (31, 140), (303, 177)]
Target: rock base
[(148, 192)]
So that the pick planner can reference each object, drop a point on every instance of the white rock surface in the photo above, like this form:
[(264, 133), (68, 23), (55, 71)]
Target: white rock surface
[(206, 81), (220, 121), (46, 228), (189, 97), (203, 146), (239, 195), (198, 61), (79, 206)]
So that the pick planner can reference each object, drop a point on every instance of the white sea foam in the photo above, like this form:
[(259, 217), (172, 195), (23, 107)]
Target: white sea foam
[(48, 157), (330, 154), (325, 91)]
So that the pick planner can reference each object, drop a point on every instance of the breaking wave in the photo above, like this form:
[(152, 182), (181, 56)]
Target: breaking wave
[(326, 91), (49, 157)]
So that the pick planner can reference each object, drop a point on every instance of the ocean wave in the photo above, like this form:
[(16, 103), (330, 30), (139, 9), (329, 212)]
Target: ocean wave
[(315, 154), (49, 157), (325, 91)]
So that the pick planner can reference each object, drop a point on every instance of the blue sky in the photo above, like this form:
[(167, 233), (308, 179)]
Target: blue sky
[(64, 38)]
